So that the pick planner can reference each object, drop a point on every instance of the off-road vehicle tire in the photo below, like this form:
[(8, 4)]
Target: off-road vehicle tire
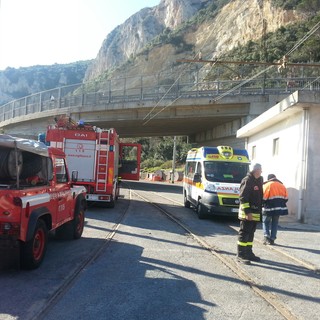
[(33, 251)]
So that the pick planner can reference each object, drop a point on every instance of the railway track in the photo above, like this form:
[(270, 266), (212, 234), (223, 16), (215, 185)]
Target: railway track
[(231, 264), (296, 260), (243, 274), (70, 281), (240, 272)]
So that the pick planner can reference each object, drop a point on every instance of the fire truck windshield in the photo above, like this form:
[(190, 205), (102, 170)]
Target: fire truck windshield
[(219, 171)]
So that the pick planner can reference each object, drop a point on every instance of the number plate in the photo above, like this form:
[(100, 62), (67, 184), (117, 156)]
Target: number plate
[(235, 210), (92, 197)]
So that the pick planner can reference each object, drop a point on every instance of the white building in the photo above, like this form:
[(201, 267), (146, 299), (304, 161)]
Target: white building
[(286, 141)]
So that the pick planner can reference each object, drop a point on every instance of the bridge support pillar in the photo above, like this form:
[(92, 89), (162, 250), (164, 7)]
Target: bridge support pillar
[(224, 134)]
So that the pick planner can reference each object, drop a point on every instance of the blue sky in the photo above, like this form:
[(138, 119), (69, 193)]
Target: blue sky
[(45, 32)]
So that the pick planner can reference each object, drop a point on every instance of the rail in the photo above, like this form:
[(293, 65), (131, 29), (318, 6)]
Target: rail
[(128, 90)]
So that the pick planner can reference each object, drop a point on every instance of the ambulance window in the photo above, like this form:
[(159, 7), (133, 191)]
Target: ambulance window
[(190, 168), (199, 168), (61, 172), (210, 168), (221, 171)]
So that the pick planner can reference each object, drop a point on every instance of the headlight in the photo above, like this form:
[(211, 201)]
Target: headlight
[(210, 188), (7, 226)]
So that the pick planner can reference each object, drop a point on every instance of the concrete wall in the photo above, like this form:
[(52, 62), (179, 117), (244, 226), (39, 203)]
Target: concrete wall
[(286, 165), (224, 134), (312, 195)]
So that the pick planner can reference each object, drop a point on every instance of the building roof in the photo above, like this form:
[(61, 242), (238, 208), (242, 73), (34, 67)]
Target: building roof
[(295, 102)]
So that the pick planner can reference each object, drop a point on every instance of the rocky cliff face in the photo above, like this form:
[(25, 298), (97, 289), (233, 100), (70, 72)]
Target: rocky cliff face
[(238, 22), (17, 83), (235, 24), (171, 13), (130, 37)]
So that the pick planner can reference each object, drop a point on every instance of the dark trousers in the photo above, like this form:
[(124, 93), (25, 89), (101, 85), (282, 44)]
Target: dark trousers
[(246, 233)]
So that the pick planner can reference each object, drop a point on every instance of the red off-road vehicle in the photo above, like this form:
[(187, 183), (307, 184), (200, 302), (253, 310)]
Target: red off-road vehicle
[(36, 196)]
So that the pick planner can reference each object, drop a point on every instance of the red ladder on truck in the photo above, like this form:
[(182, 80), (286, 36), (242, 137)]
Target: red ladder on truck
[(102, 160)]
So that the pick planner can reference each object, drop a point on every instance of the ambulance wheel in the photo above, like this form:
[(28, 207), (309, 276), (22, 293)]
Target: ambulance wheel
[(185, 201), (200, 210), (33, 251)]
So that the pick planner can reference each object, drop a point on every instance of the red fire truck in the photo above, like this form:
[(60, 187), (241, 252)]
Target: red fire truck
[(36, 196), (97, 157)]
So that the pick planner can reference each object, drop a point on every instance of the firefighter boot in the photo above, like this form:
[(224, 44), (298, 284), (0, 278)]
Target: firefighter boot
[(251, 256), (242, 255)]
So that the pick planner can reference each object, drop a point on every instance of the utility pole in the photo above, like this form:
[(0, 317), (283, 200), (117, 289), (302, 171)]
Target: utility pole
[(174, 158), (264, 49)]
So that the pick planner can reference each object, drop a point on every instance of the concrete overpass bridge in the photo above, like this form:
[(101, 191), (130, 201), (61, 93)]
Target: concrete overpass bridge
[(207, 112)]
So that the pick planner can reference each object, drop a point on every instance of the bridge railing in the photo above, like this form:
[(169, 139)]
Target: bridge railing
[(127, 90)]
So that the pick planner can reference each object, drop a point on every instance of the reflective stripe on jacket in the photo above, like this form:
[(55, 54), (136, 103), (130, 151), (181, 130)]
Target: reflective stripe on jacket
[(250, 197), (242, 213), (275, 197)]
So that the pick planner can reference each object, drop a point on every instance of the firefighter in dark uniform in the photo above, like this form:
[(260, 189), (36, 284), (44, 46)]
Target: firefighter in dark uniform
[(251, 195)]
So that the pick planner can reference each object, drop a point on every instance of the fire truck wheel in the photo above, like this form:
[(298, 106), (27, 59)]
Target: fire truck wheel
[(74, 228), (33, 251), (200, 210), (78, 221), (111, 204), (185, 201), (117, 192)]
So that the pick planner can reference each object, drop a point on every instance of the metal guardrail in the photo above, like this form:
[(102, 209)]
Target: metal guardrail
[(120, 91)]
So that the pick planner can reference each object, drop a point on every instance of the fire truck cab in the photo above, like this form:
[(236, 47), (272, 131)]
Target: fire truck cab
[(96, 157), (36, 196)]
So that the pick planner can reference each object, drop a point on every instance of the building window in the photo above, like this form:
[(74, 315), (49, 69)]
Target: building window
[(275, 150), (253, 152)]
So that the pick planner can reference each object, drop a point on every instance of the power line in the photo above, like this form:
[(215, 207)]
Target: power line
[(279, 63), (198, 54), (282, 62), (308, 35), (166, 93)]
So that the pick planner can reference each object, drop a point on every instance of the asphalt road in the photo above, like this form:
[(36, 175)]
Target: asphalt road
[(154, 269)]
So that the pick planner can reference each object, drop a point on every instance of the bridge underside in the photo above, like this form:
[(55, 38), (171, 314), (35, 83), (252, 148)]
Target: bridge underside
[(162, 127), (142, 121), (204, 114), (169, 121)]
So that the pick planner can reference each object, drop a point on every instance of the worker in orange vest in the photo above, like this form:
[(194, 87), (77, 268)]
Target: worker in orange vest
[(275, 197)]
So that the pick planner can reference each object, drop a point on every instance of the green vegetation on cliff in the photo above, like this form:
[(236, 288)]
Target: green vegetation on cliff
[(17, 83)]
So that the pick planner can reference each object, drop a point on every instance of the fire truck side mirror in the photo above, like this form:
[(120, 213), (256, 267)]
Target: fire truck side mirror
[(74, 176)]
